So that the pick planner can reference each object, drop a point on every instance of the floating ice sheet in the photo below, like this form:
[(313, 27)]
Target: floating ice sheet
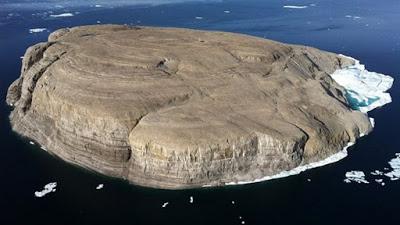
[(48, 188), (37, 30), (62, 15), (295, 6), (365, 90), (355, 176), (395, 165)]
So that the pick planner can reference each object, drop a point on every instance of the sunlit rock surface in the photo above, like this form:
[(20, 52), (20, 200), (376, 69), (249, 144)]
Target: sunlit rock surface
[(177, 108)]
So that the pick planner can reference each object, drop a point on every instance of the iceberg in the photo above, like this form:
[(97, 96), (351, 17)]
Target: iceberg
[(165, 204), (48, 188), (100, 186), (365, 90)]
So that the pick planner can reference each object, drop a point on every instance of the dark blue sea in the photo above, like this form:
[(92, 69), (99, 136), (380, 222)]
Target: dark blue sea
[(368, 30)]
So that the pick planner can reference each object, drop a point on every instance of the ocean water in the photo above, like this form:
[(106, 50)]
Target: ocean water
[(364, 29)]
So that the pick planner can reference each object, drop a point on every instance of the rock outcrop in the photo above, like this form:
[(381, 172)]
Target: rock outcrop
[(178, 108)]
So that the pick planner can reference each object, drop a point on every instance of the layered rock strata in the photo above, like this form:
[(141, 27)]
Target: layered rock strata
[(177, 108)]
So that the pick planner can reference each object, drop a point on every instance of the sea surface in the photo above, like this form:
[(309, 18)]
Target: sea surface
[(368, 30)]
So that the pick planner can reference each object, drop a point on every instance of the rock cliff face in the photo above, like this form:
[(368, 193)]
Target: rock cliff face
[(177, 108)]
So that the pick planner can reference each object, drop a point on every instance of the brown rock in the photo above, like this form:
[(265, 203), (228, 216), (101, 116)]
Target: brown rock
[(177, 108)]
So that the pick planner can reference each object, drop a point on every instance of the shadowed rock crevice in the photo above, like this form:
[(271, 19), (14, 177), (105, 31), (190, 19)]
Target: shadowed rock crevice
[(178, 108)]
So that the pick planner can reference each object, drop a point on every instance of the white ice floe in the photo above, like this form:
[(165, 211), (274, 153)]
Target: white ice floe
[(353, 17), (380, 181), (395, 165), (37, 30), (227, 11), (365, 90), (377, 173), (191, 199), (48, 188), (355, 176), (165, 204), (198, 17), (372, 121), (233, 202), (62, 15), (295, 6), (100, 186), (331, 159), (98, 6), (32, 143), (43, 148)]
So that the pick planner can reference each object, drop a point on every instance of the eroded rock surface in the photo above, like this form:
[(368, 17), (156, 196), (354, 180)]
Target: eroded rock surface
[(178, 108)]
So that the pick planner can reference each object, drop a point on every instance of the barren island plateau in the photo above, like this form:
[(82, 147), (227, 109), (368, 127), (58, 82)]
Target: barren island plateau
[(177, 108)]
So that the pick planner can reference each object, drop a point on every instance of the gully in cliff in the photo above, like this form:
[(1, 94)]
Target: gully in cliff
[(177, 108)]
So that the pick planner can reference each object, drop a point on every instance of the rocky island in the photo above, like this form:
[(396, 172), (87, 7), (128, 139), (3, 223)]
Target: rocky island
[(178, 108)]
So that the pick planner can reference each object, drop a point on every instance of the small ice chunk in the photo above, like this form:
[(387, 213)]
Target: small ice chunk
[(50, 187), (198, 17), (295, 6), (309, 180), (233, 202), (313, 4), (377, 173), (355, 176), (98, 6), (395, 165), (372, 121), (62, 15), (32, 143), (165, 204), (227, 11), (43, 148), (191, 199), (37, 30), (100, 186), (243, 222)]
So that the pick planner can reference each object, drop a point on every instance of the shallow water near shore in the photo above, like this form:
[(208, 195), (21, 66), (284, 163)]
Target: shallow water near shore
[(364, 29)]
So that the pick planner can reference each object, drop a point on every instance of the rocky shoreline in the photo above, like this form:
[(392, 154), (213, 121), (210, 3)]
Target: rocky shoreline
[(177, 108)]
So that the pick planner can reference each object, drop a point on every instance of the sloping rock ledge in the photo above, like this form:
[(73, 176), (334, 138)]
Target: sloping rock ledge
[(177, 108)]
